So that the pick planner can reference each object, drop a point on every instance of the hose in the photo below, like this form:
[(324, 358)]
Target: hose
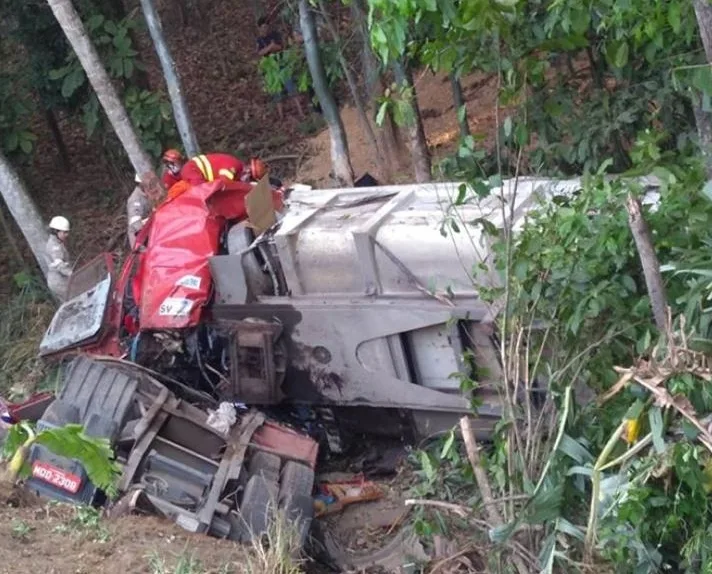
[(134, 348)]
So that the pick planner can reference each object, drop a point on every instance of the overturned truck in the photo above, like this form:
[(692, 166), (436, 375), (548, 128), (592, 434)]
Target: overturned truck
[(353, 298), (358, 301)]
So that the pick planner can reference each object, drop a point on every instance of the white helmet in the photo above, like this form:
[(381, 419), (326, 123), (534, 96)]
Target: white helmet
[(137, 179), (59, 223)]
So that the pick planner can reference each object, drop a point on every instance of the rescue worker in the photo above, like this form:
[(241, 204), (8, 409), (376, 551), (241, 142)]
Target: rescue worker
[(58, 268), (208, 168), (173, 161), (138, 208)]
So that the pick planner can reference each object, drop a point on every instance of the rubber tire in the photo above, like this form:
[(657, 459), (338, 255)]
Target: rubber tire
[(256, 507), (264, 464), (296, 480), (61, 413), (299, 510), (102, 427), (240, 237)]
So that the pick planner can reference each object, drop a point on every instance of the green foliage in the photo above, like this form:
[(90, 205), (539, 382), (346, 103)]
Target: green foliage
[(149, 111), (277, 69), (23, 320), (16, 136), (94, 453), (583, 79)]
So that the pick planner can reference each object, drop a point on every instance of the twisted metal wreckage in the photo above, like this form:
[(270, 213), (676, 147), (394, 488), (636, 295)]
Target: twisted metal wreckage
[(352, 302)]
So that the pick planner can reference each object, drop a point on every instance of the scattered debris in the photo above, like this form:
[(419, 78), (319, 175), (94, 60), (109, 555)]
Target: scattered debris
[(335, 496), (223, 418)]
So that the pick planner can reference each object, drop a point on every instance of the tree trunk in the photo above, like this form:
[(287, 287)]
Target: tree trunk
[(649, 260), (418, 145), (180, 108), (89, 58), (703, 11), (340, 160), (58, 139), (24, 211), (459, 100), (376, 152), (703, 121), (391, 144)]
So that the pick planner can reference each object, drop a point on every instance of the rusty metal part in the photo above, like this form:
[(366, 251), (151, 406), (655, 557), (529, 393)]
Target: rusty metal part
[(231, 463), (257, 362)]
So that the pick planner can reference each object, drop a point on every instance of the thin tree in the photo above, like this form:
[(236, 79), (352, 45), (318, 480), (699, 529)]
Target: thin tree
[(414, 126), (391, 144), (180, 108), (23, 210), (78, 38), (703, 12), (341, 163), (358, 99), (460, 108)]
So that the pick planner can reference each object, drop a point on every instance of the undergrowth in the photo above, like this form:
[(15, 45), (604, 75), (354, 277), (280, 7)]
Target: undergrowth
[(24, 317), (602, 459)]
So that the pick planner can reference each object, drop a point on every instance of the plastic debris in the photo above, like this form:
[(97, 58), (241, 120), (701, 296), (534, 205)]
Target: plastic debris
[(223, 418), (334, 496)]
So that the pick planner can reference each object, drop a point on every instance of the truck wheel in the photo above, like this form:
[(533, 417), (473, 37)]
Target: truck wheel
[(264, 464), (296, 480), (299, 511), (61, 413), (256, 508), (99, 426)]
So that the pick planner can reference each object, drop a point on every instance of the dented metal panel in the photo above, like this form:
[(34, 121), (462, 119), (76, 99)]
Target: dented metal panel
[(78, 320)]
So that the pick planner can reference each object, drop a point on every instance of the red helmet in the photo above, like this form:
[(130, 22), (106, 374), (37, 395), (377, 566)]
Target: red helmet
[(172, 156), (258, 169)]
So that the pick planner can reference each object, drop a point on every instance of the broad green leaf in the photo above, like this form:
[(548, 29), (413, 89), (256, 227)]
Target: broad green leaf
[(635, 410), (461, 194), (447, 447), (427, 465), (500, 534), (582, 470), (674, 16), (620, 59), (508, 127), (572, 448), (563, 525), (381, 116), (656, 428), (93, 453), (16, 436)]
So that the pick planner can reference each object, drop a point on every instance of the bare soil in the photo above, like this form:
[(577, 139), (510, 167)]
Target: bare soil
[(54, 539)]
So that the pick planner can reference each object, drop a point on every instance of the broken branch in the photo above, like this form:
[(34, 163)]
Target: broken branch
[(461, 511), (649, 260)]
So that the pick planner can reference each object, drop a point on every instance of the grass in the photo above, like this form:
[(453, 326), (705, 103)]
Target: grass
[(277, 552), (21, 530), (23, 321), (185, 564), (86, 522)]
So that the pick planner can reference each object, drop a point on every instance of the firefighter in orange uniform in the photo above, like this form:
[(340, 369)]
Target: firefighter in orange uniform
[(202, 168)]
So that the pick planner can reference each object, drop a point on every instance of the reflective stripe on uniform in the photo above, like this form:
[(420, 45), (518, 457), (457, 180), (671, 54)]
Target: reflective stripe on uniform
[(228, 173), (204, 166), (134, 219)]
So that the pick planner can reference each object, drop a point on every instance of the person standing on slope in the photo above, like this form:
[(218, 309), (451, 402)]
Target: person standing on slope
[(58, 268), (138, 208)]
